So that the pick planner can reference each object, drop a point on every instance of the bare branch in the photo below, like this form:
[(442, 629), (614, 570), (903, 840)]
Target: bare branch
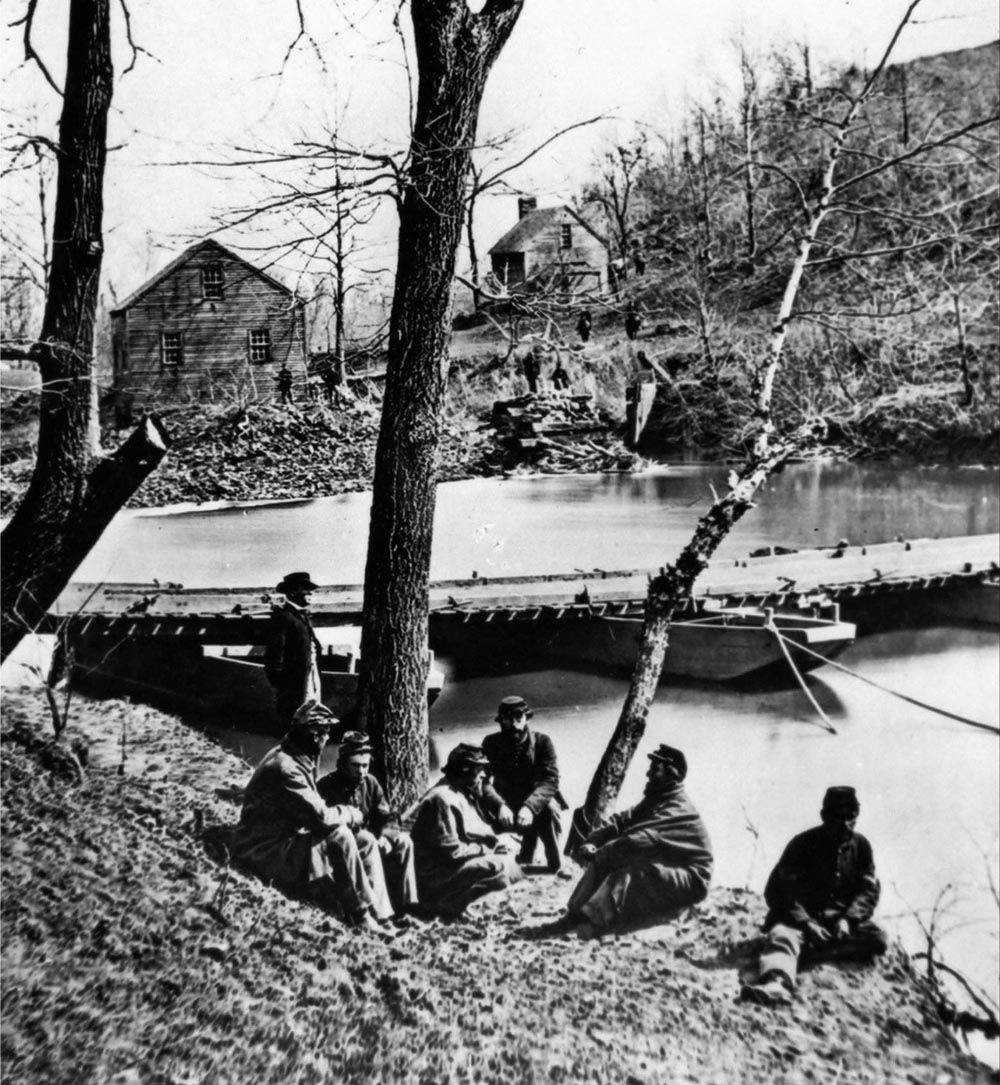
[(133, 47), (948, 139), (29, 49), (489, 182), (865, 254)]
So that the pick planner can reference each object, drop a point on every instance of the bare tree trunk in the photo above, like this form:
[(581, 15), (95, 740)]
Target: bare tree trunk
[(968, 387), (94, 416), (64, 509), (339, 296), (455, 50), (470, 239), (748, 111)]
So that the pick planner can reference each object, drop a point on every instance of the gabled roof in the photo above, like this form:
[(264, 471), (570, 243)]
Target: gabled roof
[(534, 222), (198, 246)]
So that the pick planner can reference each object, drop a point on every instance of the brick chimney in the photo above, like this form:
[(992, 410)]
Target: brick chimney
[(525, 205)]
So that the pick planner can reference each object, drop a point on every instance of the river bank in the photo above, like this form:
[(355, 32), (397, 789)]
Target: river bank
[(263, 451), (134, 956)]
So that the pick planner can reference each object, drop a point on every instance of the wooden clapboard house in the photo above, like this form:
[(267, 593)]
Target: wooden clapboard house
[(550, 249), (209, 326)]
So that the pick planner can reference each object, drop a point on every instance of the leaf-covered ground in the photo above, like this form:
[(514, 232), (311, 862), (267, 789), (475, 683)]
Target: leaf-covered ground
[(133, 956)]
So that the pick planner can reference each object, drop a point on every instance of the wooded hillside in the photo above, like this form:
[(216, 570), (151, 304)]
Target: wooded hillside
[(900, 296)]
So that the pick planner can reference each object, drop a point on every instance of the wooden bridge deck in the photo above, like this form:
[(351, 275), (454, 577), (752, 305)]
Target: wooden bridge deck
[(232, 615)]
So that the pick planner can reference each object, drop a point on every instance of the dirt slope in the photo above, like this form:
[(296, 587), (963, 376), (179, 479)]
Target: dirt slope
[(133, 957)]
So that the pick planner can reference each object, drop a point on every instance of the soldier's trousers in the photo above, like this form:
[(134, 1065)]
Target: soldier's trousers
[(547, 828), (786, 946)]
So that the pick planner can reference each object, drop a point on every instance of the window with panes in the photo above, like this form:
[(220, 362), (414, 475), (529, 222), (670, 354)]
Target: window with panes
[(260, 345), (172, 350), (213, 281)]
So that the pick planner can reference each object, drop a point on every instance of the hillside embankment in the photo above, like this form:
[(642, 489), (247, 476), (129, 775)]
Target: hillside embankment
[(134, 954), (261, 451)]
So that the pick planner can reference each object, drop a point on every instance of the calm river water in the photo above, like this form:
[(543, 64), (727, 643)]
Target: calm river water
[(929, 786), (539, 525)]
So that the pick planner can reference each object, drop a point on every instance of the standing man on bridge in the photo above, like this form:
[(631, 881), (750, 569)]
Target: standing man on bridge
[(524, 793), (291, 661)]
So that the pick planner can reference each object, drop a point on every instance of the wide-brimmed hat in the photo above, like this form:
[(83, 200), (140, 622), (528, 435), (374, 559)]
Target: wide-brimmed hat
[(464, 756), (311, 714), (669, 755), (353, 743), (296, 582), (511, 706), (841, 800)]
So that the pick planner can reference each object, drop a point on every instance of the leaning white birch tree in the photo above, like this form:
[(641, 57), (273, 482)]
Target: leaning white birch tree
[(768, 449)]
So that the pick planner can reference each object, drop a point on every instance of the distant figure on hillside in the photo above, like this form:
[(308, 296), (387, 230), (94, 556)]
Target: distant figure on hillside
[(560, 378), (289, 836), (639, 260), (531, 367), (821, 896), (284, 382), (646, 863), (291, 659), (616, 274), (583, 326), (458, 856), (524, 795), (633, 320), (352, 784), (333, 382)]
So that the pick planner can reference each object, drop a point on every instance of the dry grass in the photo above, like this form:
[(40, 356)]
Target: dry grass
[(132, 957)]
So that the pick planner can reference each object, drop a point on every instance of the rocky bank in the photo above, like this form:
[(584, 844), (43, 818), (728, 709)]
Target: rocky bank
[(133, 954)]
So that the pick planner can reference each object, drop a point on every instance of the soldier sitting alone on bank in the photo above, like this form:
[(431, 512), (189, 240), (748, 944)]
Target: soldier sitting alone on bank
[(821, 897)]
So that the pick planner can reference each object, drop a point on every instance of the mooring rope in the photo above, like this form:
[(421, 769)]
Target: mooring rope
[(885, 689), (798, 677)]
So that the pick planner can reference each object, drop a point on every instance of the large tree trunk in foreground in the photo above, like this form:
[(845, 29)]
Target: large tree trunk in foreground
[(44, 545), (65, 510), (455, 51)]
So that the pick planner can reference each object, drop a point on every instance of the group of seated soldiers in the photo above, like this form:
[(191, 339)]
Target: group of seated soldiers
[(336, 841)]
